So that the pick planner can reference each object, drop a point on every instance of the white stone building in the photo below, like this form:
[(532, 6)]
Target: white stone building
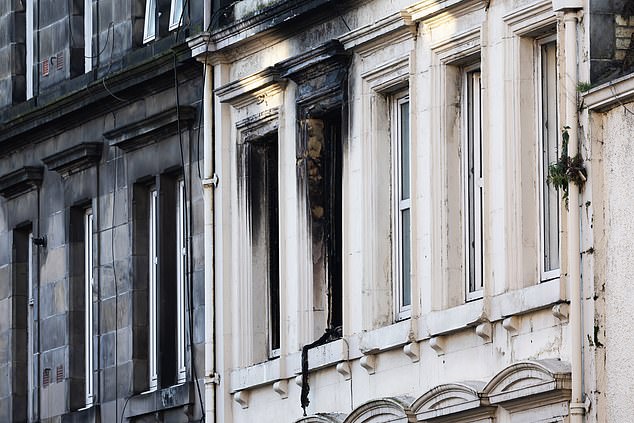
[(376, 172)]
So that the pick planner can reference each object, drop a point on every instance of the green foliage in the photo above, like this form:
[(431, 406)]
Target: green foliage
[(583, 86), (566, 169)]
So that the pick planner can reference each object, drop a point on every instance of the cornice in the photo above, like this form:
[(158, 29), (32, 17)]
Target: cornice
[(151, 129), (252, 89), (21, 181), (55, 113), (531, 18), (434, 12), (388, 30), (75, 158)]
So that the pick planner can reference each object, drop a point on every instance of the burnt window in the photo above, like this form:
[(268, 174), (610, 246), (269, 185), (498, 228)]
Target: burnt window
[(324, 175), (262, 180)]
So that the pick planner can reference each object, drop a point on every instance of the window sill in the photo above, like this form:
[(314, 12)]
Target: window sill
[(454, 319), (160, 399), (396, 335), (524, 300), (385, 338), (87, 414), (269, 372)]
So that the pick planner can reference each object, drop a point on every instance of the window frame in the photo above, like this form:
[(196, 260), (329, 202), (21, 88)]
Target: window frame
[(262, 149), (29, 56), (542, 171), (153, 262), (149, 23), (88, 30), (32, 377), (401, 203), (472, 151), (89, 264), (181, 280), (177, 14)]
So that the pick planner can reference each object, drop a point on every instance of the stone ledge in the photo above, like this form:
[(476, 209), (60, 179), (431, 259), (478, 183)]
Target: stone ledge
[(21, 181), (75, 158), (161, 399), (152, 129)]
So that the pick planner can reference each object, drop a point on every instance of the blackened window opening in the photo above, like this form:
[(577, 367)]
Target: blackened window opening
[(264, 203), (324, 162)]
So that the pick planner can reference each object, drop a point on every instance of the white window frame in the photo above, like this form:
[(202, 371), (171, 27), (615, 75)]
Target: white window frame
[(29, 49), (181, 276), (152, 290), (89, 284), (472, 141), (544, 111), (149, 24), (402, 204), (87, 35), (32, 376), (176, 13)]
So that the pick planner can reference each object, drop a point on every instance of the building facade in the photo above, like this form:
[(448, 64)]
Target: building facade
[(315, 211), (101, 212), (391, 241)]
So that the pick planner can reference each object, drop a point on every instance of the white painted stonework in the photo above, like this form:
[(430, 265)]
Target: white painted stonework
[(455, 354)]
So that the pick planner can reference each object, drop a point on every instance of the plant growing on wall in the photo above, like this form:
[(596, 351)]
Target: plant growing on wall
[(566, 169)]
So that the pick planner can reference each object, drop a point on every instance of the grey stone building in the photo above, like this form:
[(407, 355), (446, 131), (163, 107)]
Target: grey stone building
[(101, 259)]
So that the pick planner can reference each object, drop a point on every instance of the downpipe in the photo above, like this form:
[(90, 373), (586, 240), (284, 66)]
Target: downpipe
[(577, 406)]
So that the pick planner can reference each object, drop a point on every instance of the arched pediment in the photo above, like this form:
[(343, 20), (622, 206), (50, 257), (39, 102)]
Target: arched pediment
[(394, 409), (449, 399), (322, 418), (528, 378)]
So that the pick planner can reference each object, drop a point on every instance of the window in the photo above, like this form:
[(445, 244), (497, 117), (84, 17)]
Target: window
[(402, 198), (264, 222), (324, 170), (30, 333), (162, 213), (89, 286), (152, 289), (87, 35), (181, 277), (177, 14), (149, 25), (22, 298), (473, 186), (29, 49), (548, 135)]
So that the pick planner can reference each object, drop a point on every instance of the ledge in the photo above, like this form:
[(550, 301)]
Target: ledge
[(89, 414), (152, 129), (525, 300), (21, 181), (161, 399), (256, 375), (611, 94), (385, 338), (456, 318), (75, 158)]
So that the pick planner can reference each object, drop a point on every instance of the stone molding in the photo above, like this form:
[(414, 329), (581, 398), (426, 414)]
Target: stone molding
[(160, 399), (252, 89), (151, 129), (520, 386), (21, 181), (323, 418), (75, 158), (394, 409)]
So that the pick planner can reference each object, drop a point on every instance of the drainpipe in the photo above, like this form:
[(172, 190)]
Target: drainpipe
[(209, 181), (570, 9)]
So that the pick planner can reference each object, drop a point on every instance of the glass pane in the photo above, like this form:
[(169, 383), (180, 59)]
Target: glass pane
[(550, 152), (406, 258), (404, 133)]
